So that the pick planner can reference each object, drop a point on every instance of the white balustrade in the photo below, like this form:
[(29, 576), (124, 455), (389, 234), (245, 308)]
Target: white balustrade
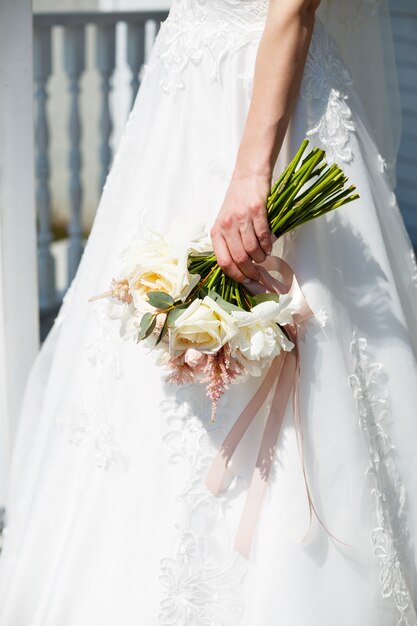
[(74, 48), (135, 53), (42, 71), (74, 27), (106, 61)]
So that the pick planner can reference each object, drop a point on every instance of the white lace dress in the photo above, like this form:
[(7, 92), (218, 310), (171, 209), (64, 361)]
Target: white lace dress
[(109, 519)]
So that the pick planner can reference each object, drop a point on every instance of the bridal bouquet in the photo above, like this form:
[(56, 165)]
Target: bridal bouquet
[(171, 293)]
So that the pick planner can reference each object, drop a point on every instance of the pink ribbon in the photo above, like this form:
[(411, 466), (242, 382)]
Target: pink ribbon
[(284, 373)]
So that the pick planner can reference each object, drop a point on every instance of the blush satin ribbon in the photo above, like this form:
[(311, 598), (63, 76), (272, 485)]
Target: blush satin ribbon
[(284, 373)]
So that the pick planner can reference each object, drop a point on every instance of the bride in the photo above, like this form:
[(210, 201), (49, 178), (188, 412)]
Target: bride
[(109, 518)]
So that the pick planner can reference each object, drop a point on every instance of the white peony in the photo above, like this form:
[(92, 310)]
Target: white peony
[(204, 325), (280, 312), (259, 335)]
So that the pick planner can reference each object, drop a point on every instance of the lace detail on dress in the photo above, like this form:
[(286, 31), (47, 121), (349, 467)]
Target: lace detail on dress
[(86, 422), (325, 85), (92, 433), (212, 29), (334, 127), (103, 353), (390, 537), (203, 578)]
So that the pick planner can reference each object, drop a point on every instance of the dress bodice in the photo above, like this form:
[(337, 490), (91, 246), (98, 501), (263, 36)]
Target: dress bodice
[(234, 12)]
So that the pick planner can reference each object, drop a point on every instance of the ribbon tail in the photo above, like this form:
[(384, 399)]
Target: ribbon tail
[(218, 469), (300, 443), (300, 440), (285, 370), (247, 526)]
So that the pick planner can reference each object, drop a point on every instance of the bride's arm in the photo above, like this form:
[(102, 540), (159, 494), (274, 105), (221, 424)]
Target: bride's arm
[(240, 233)]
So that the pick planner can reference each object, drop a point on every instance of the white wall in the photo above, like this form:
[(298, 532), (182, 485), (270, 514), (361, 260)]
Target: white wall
[(18, 278)]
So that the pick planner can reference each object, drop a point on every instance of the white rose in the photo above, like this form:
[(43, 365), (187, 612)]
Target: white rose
[(204, 325), (259, 335)]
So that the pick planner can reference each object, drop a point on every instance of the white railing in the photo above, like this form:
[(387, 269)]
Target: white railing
[(141, 29)]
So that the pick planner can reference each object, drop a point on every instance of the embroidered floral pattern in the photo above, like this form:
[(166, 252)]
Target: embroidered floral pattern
[(103, 352), (92, 433), (86, 422), (214, 29), (202, 579), (334, 127), (205, 28), (390, 536), (324, 69), (325, 86), (353, 14)]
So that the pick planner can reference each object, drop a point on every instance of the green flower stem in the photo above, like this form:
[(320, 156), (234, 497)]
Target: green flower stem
[(202, 267), (305, 190), (293, 190), (282, 181), (214, 276)]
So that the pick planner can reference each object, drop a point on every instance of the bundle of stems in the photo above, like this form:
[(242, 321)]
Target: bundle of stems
[(306, 189)]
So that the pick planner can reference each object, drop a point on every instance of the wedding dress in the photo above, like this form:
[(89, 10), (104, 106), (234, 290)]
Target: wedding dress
[(109, 518)]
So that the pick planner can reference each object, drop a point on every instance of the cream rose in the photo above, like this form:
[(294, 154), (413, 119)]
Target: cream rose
[(162, 275), (204, 325), (150, 265)]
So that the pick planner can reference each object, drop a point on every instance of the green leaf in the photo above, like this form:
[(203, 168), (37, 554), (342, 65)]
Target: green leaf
[(173, 315), (265, 297), (160, 299), (227, 306), (147, 324)]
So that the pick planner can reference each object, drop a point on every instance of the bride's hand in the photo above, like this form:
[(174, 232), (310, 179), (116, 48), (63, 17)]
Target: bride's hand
[(241, 234)]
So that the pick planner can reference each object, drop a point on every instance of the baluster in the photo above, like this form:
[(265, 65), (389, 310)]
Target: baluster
[(106, 61), (153, 27), (74, 51), (135, 54), (42, 72), (158, 24)]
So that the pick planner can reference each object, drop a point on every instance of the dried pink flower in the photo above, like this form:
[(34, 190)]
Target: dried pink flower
[(217, 370), (119, 290), (221, 370), (182, 373)]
